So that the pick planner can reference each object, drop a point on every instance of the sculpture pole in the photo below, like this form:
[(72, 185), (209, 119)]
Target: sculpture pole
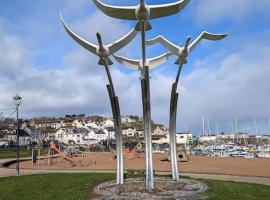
[(173, 115), (182, 53), (143, 13), (103, 52), (145, 85), (117, 124)]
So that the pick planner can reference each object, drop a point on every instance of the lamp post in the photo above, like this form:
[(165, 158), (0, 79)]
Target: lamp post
[(17, 101)]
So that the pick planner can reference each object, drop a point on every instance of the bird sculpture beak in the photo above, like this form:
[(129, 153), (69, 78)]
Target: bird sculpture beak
[(187, 42), (98, 37)]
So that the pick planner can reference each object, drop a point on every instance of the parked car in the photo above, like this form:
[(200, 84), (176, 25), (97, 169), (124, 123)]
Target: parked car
[(3, 143)]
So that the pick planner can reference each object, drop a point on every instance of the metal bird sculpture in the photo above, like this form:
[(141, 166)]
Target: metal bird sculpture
[(141, 12), (104, 51), (183, 52), (138, 64), (101, 50)]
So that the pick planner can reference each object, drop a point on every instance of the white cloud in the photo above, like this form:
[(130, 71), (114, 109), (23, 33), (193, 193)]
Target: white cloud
[(14, 57), (80, 87), (239, 87)]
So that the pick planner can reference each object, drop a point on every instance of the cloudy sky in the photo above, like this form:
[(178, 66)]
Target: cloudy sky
[(222, 81)]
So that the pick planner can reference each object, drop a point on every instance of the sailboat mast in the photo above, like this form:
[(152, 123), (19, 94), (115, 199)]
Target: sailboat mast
[(256, 130), (203, 126), (233, 133), (236, 129), (208, 129)]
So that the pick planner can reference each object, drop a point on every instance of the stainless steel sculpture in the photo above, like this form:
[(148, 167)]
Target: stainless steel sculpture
[(143, 67), (182, 53), (143, 13), (104, 51), (138, 64)]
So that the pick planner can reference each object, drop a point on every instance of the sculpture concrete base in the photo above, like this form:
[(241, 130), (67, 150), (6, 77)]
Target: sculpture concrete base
[(165, 188)]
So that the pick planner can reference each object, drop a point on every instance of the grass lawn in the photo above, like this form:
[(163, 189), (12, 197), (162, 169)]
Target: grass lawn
[(13, 153), (226, 190), (80, 186)]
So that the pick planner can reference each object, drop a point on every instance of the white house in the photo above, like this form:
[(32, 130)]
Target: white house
[(71, 135), (78, 123), (56, 124), (111, 133), (101, 135), (83, 135), (60, 135), (183, 138), (108, 123), (127, 119), (24, 137), (128, 131), (159, 131), (92, 125), (210, 138), (44, 124)]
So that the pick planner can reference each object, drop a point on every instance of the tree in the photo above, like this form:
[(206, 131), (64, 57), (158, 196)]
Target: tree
[(81, 115)]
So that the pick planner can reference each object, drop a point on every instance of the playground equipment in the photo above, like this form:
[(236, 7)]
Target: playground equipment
[(77, 152), (181, 154), (49, 156), (137, 152)]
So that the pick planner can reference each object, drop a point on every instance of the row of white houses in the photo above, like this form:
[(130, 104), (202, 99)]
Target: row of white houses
[(83, 135), (88, 134), (79, 123)]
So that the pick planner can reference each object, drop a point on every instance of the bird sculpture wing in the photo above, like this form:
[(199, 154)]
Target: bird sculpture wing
[(159, 60), (174, 49), (137, 64), (207, 36), (130, 63), (120, 12), (114, 47), (157, 11), (87, 45), (128, 12)]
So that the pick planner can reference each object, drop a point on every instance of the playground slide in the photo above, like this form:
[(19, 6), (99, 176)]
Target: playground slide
[(61, 153)]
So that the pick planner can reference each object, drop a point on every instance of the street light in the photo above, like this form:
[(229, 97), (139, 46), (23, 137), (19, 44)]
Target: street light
[(17, 100)]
